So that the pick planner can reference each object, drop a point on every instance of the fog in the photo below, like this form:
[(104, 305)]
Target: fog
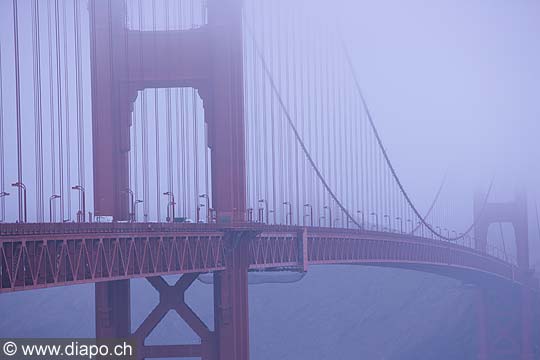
[(452, 87)]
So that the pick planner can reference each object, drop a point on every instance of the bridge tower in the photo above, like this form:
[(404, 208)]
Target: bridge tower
[(209, 59), (503, 332)]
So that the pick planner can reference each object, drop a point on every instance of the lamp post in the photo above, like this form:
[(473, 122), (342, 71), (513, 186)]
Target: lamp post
[(170, 205), (362, 218), (289, 214), (137, 202), (389, 223), (249, 215), (421, 226), (2, 194), (376, 220), (265, 202), (83, 202), (412, 228), (205, 196), (131, 204), (200, 207), (22, 212), (400, 224), (329, 214), (310, 213), (51, 198), (260, 215)]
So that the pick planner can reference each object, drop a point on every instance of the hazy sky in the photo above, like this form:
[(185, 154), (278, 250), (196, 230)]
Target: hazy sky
[(452, 84)]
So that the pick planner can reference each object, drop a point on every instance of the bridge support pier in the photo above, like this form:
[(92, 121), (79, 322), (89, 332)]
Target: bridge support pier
[(481, 325), (230, 338), (231, 316), (502, 332), (507, 336), (113, 310)]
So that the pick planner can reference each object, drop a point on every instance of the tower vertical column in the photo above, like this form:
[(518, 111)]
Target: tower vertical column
[(110, 130), (514, 212), (111, 107), (231, 315), (113, 310), (224, 105)]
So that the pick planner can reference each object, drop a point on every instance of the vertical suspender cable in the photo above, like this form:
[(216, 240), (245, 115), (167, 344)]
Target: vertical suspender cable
[(180, 155), (156, 121), (194, 105), (204, 7), (79, 93), (272, 119), (51, 107), (37, 111), (144, 125), (262, 15), (170, 178), (59, 109), (18, 104), (66, 95), (295, 47), (2, 144)]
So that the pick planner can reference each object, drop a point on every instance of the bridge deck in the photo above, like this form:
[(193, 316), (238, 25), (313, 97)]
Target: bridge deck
[(38, 256)]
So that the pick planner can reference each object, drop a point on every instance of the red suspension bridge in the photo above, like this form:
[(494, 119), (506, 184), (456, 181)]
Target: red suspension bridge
[(224, 137)]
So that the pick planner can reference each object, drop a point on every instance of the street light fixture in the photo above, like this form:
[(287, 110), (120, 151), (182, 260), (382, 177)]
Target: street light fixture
[(326, 207), (310, 213), (131, 204), (400, 224), (51, 198), (389, 223), (82, 217), (2, 194), (376, 220), (22, 212), (249, 215), (137, 202), (363, 220), (265, 202), (289, 214), (170, 205), (205, 196)]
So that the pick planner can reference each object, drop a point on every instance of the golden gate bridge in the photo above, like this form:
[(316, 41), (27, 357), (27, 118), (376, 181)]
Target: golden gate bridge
[(144, 138)]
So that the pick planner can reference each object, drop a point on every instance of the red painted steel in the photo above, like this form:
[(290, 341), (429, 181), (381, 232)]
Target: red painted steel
[(118, 251), (111, 108), (210, 59), (38, 261), (173, 298), (111, 252)]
